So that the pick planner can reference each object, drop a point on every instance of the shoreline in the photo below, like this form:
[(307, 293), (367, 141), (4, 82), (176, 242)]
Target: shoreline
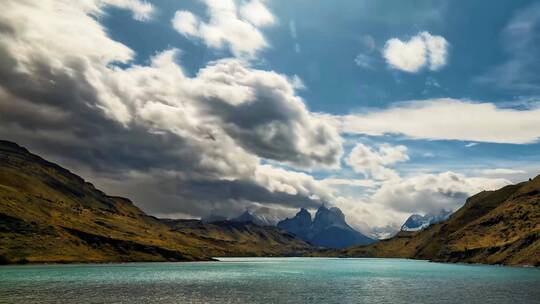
[(217, 259)]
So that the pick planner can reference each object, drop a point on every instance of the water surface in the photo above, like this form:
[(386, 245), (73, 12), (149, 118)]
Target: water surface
[(271, 280)]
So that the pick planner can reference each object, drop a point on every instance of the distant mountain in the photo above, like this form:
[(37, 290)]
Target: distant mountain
[(493, 227), (213, 219), (248, 217), (417, 222), (48, 214), (328, 229), (300, 224)]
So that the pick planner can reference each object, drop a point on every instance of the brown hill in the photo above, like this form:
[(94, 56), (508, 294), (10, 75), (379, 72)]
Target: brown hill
[(48, 214), (230, 238), (493, 227)]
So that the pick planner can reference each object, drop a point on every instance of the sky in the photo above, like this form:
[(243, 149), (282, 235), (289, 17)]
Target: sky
[(210, 107)]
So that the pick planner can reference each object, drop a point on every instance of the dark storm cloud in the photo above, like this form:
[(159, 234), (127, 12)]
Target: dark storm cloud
[(55, 113), (268, 127), (168, 193), (124, 127)]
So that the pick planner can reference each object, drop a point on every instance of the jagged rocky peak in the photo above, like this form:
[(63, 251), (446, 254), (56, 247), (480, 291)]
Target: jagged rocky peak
[(303, 216), (418, 222), (326, 217), (300, 224), (328, 228), (248, 217), (245, 217)]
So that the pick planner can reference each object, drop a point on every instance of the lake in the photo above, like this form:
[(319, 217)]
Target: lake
[(271, 280)]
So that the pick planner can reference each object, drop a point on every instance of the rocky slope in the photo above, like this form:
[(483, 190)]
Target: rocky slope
[(48, 214), (328, 229), (493, 227)]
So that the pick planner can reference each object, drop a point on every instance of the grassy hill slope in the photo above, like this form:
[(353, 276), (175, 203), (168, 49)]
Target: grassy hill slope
[(241, 238), (48, 214), (493, 227)]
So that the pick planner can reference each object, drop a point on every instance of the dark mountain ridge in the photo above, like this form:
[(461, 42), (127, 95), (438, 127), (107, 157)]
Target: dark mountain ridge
[(328, 228)]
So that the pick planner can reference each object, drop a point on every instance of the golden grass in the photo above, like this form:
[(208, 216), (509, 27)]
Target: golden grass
[(46, 213), (493, 227)]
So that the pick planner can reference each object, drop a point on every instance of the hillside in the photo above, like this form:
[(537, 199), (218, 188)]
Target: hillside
[(493, 227), (48, 214), (231, 238)]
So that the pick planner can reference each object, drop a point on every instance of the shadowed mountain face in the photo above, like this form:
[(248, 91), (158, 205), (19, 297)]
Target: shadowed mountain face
[(493, 227), (248, 217), (328, 228), (300, 224), (417, 222), (48, 214)]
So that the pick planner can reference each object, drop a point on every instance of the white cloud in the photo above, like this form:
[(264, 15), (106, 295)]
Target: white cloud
[(501, 172), (256, 13), (372, 163), (186, 23), (427, 193), (237, 28), (412, 55), (437, 48), (367, 183), (407, 56), (141, 10), (368, 43), (297, 48), (446, 119), (293, 183), (292, 29), (363, 60), (432, 82), (294, 36)]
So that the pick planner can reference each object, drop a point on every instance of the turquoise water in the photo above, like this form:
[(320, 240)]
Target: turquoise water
[(271, 280)]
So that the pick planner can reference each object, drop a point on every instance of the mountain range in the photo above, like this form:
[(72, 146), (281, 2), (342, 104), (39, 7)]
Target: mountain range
[(328, 229)]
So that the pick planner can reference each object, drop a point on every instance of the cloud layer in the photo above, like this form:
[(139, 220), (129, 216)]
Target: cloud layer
[(428, 193), (446, 119), (201, 138)]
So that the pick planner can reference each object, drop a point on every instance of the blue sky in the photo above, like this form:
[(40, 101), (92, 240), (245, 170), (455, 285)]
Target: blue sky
[(198, 107), (331, 35)]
